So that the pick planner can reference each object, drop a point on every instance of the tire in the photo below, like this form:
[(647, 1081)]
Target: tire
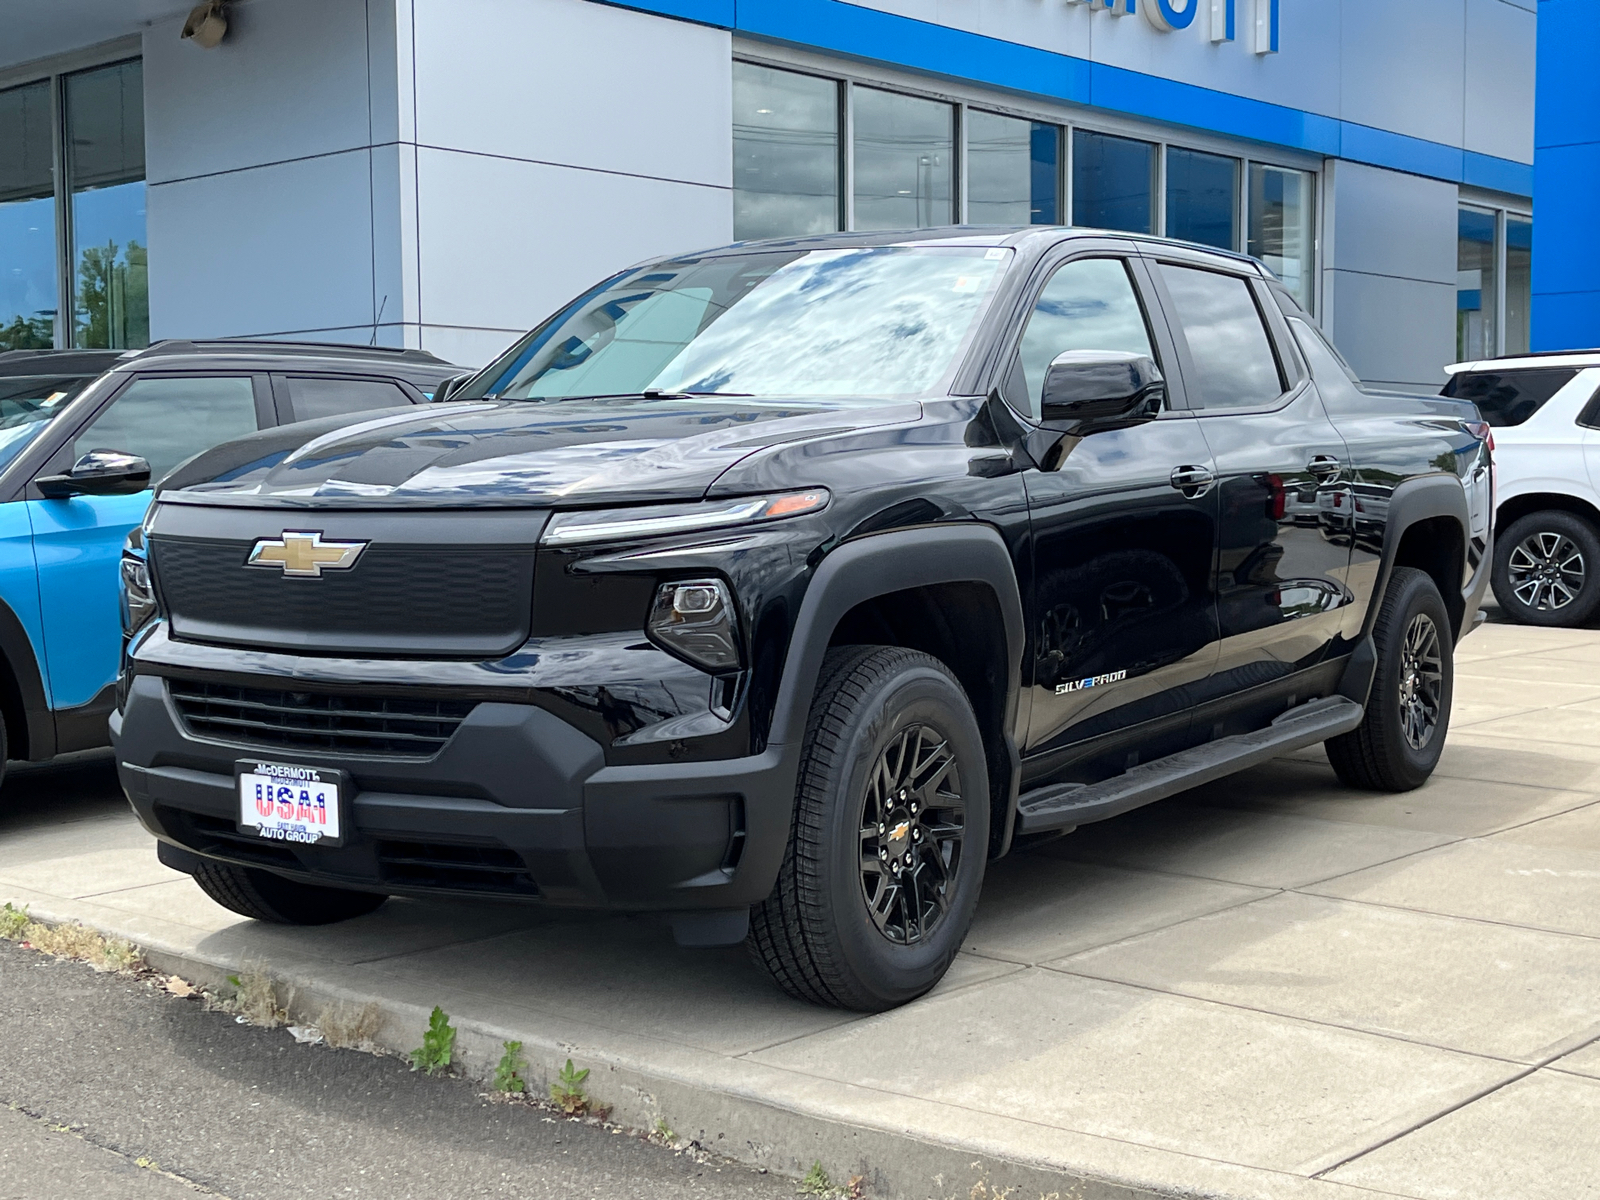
[(1398, 743), (839, 928), (1547, 569), (263, 896)]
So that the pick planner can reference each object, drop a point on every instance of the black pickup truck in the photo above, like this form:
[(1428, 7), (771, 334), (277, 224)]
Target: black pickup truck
[(777, 588)]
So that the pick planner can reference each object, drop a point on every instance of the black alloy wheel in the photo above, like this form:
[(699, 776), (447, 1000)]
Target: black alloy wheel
[(1547, 569), (1398, 743), (889, 838), (912, 829), (1421, 682)]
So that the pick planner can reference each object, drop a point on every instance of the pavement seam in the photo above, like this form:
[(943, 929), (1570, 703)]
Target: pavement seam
[(82, 1136), (1433, 912)]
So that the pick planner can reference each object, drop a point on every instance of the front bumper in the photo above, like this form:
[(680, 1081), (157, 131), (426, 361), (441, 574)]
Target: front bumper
[(518, 803)]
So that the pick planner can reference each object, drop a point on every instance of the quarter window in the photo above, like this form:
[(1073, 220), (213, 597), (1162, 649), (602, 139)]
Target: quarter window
[(166, 421), (1509, 397), (1228, 343), (1089, 304)]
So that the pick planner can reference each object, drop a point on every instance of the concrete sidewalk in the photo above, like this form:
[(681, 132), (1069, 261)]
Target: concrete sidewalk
[(1270, 987)]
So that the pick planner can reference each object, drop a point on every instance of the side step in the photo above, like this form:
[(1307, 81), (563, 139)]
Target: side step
[(1064, 805)]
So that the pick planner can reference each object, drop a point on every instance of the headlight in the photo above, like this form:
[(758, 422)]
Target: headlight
[(694, 619), (138, 598), (614, 524)]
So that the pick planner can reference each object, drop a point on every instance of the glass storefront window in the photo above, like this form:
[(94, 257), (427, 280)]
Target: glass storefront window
[(1113, 182), (1202, 197), (1476, 285), (785, 153), (1012, 176), (105, 139), (28, 276), (1519, 283), (904, 161), (1280, 233)]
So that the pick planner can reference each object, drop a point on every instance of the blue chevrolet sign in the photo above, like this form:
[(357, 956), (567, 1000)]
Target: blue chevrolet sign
[(1221, 24)]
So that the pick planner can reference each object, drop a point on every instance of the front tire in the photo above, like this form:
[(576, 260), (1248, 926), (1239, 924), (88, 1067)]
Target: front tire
[(1547, 569), (1398, 743), (263, 896), (891, 828)]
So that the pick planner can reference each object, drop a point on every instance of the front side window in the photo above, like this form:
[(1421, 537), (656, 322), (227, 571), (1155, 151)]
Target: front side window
[(1011, 170), (166, 421), (1228, 343), (30, 402), (785, 153), (1089, 304), (29, 283), (904, 161), (868, 324), (1509, 397), (1281, 233)]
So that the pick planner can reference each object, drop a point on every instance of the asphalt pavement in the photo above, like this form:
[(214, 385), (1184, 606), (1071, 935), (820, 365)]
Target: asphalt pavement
[(110, 1087)]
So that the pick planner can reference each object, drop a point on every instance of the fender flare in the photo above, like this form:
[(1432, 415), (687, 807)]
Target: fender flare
[(40, 732), (877, 565), (1420, 499)]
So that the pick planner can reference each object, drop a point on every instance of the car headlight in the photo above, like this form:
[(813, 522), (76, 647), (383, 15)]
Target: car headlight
[(618, 524), (695, 620), (138, 597)]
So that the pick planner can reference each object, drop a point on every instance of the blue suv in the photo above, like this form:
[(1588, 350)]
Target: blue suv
[(82, 434)]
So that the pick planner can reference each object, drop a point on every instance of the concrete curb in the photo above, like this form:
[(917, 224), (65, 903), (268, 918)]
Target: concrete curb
[(736, 1124)]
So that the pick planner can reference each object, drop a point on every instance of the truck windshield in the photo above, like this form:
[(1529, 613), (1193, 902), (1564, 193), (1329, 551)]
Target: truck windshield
[(28, 403), (870, 323)]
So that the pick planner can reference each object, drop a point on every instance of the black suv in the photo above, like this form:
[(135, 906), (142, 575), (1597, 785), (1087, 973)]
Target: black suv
[(777, 588)]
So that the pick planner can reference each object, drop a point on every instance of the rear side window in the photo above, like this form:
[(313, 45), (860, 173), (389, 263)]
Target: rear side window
[(311, 397), (1509, 397), (1228, 340)]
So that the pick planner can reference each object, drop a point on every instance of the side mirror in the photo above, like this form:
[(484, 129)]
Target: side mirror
[(98, 473), (1088, 390), (442, 392)]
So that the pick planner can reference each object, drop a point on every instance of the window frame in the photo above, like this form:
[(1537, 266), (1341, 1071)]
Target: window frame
[(1065, 119), (55, 70), (282, 390), (1501, 207), (1293, 375)]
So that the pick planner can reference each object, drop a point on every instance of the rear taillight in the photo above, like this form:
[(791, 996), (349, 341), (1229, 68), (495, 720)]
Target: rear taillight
[(1482, 431)]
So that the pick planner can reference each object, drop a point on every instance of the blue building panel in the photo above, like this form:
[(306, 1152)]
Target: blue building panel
[(1566, 248)]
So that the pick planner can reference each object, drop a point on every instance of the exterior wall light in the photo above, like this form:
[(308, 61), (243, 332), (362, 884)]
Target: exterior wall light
[(206, 24)]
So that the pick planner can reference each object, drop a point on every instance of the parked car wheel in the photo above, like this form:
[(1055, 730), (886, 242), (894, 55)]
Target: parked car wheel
[(1547, 569), (264, 896), (1398, 743), (891, 829)]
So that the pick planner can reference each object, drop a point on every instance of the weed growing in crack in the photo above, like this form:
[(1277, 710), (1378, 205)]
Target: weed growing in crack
[(13, 921), (438, 1045), (255, 998), (508, 1071), (662, 1134), (816, 1182), (567, 1092), (347, 1027), (77, 942)]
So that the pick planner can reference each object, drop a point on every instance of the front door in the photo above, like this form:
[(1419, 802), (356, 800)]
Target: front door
[(1122, 623), (78, 541), (1282, 467)]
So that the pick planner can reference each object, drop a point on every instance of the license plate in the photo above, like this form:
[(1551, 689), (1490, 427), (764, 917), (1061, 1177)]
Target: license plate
[(283, 803)]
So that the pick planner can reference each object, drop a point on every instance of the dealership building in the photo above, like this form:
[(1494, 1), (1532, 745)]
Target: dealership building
[(445, 173)]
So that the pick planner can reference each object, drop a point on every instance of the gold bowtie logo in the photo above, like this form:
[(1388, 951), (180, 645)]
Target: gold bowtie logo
[(303, 553)]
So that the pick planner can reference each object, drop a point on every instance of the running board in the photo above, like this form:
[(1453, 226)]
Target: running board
[(1065, 805)]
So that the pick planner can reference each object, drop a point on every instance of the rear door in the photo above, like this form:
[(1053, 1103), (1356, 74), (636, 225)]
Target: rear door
[(78, 541), (1122, 626), (1280, 571)]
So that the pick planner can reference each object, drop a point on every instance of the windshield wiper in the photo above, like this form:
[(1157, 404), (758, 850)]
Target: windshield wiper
[(647, 394)]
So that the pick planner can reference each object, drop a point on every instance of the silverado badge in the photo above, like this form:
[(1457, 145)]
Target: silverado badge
[(303, 553)]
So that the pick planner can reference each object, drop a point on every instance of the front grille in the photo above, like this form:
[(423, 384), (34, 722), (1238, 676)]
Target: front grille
[(214, 835), (393, 726), (462, 868)]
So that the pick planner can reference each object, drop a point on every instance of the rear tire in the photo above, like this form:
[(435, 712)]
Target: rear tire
[(890, 833), (263, 896), (1547, 569), (1398, 743)]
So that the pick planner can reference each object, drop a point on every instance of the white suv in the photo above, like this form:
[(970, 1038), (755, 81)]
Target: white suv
[(1544, 410)]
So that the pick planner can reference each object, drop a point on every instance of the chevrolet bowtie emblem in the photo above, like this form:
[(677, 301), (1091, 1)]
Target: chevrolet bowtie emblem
[(303, 553)]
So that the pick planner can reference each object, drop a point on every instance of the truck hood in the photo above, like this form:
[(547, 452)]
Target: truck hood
[(567, 453)]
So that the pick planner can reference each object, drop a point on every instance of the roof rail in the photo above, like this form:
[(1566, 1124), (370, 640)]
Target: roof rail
[(274, 346)]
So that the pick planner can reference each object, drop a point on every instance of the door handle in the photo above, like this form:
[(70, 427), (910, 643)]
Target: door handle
[(1323, 465), (1192, 481)]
